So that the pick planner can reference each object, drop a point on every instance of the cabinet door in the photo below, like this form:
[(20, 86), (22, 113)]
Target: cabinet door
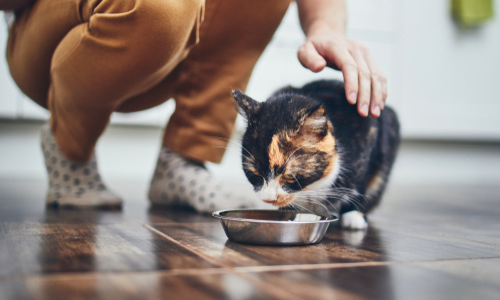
[(449, 83)]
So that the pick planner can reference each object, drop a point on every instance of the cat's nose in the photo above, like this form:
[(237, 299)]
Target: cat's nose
[(270, 201)]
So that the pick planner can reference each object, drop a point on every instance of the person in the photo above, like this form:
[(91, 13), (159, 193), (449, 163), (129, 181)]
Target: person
[(85, 59)]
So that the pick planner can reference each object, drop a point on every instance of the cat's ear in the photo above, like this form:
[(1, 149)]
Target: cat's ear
[(245, 105), (315, 123)]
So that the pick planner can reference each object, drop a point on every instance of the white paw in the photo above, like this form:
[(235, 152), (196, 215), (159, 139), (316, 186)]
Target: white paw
[(353, 220)]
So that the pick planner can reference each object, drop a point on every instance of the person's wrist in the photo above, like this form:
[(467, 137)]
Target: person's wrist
[(323, 29)]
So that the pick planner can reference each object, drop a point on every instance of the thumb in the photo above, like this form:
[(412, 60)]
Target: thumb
[(310, 58)]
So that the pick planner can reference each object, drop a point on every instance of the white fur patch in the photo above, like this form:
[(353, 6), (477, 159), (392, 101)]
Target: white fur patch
[(271, 189), (353, 220)]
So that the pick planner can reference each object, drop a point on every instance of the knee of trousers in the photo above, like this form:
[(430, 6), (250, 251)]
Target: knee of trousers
[(154, 32), (125, 49)]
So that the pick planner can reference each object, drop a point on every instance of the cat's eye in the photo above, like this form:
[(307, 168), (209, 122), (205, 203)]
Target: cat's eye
[(289, 176)]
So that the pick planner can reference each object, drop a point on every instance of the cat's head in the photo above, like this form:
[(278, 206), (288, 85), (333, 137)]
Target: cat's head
[(288, 150)]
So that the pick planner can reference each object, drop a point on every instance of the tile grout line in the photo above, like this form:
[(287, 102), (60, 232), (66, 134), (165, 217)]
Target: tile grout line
[(263, 285)]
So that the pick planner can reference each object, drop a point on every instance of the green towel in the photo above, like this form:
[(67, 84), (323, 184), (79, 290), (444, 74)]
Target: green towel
[(472, 12)]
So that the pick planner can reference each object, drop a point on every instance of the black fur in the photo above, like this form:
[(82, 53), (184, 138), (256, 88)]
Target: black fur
[(366, 146)]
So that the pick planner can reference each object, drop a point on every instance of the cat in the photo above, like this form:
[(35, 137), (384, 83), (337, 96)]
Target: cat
[(307, 145)]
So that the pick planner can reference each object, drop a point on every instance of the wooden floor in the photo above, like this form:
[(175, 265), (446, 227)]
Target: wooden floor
[(424, 242)]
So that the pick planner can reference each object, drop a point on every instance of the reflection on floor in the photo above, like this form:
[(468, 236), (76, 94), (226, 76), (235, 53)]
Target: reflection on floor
[(429, 239)]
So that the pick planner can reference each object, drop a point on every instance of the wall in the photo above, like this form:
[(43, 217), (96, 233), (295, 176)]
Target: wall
[(443, 81)]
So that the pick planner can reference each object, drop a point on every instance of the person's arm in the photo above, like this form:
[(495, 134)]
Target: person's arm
[(323, 22), (14, 4)]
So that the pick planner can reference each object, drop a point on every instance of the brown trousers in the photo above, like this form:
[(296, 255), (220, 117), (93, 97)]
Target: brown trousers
[(85, 59)]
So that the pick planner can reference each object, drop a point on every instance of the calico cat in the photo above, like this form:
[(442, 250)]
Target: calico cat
[(309, 144)]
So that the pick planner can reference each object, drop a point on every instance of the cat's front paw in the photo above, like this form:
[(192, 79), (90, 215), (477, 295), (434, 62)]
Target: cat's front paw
[(353, 220)]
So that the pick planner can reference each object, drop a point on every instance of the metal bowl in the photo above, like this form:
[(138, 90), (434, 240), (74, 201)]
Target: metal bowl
[(274, 227)]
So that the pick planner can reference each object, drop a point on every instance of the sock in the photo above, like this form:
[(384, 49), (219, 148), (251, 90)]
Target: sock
[(180, 181), (74, 184)]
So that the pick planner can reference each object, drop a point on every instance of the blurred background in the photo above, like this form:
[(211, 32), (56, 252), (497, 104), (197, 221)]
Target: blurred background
[(443, 77)]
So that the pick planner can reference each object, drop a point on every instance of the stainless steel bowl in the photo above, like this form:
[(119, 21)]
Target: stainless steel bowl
[(274, 227)]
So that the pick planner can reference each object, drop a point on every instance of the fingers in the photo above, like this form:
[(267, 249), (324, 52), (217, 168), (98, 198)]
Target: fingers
[(379, 86), (376, 105), (350, 72), (343, 60), (364, 83), (310, 58)]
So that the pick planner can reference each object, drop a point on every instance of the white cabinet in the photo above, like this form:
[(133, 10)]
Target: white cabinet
[(449, 81)]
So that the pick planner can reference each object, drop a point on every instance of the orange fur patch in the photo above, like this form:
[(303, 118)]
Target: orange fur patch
[(284, 200), (375, 182), (309, 140), (276, 155), (328, 146)]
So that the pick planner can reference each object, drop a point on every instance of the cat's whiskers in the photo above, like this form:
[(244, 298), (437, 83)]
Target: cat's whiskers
[(343, 189), (271, 172), (342, 197), (329, 201), (227, 148), (290, 156), (345, 195), (297, 157), (293, 206), (304, 171), (314, 202), (303, 207), (353, 192), (297, 182), (239, 144)]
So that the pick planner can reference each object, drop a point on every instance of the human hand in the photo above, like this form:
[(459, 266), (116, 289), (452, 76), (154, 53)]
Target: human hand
[(365, 84)]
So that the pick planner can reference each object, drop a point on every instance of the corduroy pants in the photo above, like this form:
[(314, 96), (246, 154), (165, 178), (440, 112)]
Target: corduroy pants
[(85, 59)]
